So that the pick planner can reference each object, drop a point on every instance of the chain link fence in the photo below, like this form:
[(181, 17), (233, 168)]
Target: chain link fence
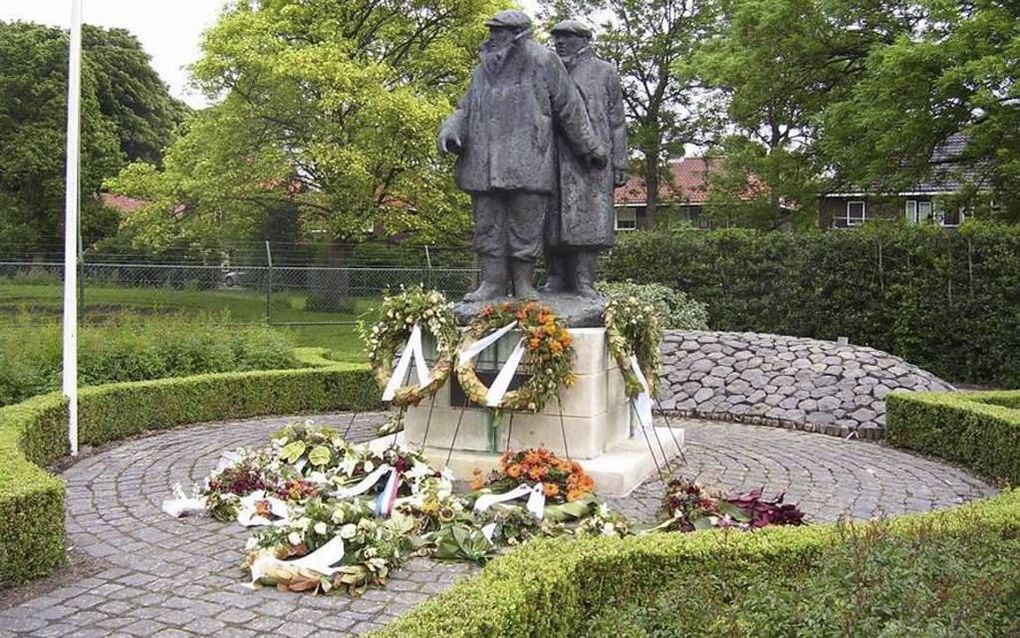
[(245, 286)]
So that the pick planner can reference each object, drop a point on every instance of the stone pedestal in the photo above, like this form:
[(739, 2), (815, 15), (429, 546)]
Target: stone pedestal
[(602, 433)]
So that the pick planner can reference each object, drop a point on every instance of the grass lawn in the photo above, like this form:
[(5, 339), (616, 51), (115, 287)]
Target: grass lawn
[(26, 305)]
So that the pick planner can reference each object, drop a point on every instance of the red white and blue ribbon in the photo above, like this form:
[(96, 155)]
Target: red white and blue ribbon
[(386, 499)]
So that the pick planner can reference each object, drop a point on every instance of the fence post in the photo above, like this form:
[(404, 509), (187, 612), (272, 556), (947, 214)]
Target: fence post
[(429, 279), (269, 285)]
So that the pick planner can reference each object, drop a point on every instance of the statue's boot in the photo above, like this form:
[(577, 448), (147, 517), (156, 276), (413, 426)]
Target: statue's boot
[(557, 279), (493, 280), (585, 275), (522, 272)]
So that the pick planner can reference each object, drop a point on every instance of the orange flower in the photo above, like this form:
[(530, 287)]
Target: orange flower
[(556, 347), (573, 495), (566, 339), (478, 481), (533, 457), (551, 489), (534, 343), (537, 472), (514, 471)]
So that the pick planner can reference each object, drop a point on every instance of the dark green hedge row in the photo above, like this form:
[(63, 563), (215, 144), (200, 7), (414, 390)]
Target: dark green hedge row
[(34, 434), (944, 300), (978, 429), (552, 588), (555, 588)]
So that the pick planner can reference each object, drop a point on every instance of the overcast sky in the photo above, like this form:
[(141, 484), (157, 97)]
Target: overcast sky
[(169, 31)]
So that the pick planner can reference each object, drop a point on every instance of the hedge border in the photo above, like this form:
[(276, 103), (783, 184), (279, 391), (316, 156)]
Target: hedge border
[(33, 434), (980, 430), (549, 587)]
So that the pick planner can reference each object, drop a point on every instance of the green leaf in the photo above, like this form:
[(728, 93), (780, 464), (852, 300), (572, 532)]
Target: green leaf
[(319, 456), (293, 451)]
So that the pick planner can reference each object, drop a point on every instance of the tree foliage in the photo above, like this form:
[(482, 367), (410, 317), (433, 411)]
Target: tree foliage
[(332, 105), (648, 40), (126, 114), (861, 92)]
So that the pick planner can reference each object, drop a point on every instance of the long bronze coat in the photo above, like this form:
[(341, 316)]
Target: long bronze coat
[(584, 216), (506, 122)]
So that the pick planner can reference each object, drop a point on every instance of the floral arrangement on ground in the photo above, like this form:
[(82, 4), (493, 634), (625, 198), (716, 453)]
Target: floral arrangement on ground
[(548, 355), (329, 515)]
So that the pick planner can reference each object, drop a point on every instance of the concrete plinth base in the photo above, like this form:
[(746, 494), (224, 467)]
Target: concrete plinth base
[(594, 417)]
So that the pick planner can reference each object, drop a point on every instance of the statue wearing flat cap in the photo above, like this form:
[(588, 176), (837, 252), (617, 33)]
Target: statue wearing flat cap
[(582, 219), (504, 133)]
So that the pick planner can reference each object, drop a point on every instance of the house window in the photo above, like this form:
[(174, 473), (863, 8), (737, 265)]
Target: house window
[(856, 213), (911, 211), (923, 212), (952, 217), (626, 219)]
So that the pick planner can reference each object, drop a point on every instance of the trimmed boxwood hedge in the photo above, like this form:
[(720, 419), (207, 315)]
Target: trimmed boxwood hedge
[(34, 433), (552, 587), (980, 430)]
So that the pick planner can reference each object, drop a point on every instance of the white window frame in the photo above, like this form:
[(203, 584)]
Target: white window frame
[(911, 211), (864, 212), (931, 211), (630, 213)]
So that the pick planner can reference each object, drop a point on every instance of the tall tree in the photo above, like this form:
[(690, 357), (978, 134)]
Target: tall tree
[(780, 65), (647, 40), (126, 114), (955, 73), (332, 105)]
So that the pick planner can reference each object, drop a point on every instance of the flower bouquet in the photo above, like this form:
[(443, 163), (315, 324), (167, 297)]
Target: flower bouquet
[(689, 507)]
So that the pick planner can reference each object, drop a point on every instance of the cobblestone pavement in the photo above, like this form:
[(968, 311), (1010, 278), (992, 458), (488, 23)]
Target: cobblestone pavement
[(168, 577)]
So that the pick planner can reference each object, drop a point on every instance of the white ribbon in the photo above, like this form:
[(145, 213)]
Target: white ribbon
[(413, 351), (364, 485), (469, 353), (320, 561), (247, 517), (485, 501), (643, 401), (506, 374), (179, 507), (535, 504), (536, 501)]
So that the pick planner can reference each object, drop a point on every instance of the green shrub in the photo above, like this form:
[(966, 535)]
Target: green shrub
[(34, 434), (866, 582), (675, 310), (555, 587), (978, 429), (137, 349), (944, 300)]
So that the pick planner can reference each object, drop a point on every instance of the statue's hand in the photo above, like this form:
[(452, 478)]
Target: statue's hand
[(619, 177), (449, 142)]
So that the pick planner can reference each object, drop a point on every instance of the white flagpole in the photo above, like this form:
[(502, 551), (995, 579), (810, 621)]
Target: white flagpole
[(70, 378)]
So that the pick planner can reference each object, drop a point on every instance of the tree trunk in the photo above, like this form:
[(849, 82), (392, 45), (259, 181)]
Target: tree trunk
[(651, 188), (329, 287)]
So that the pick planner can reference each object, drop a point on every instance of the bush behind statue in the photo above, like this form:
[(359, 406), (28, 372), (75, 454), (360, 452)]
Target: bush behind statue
[(674, 308), (941, 299), (137, 349)]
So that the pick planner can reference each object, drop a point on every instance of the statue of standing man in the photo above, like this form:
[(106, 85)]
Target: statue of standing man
[(582, 222), (504, 132)]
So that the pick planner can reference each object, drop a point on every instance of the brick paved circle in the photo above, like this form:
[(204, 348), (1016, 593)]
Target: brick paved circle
[(168, 577)]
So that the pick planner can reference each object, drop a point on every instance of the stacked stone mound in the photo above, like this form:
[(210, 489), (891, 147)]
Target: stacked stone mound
[(805, 384)]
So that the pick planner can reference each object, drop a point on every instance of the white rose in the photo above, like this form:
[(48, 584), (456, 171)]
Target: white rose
[(320, 528), (294, 538), (609, 529), (369, 466), (348, 531)]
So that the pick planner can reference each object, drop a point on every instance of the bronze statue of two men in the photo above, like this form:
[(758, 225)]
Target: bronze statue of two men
[(541, 142)]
